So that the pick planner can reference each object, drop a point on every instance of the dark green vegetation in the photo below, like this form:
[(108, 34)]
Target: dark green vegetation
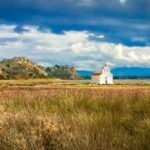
[(105, 118), (23, 68), (63, 72)]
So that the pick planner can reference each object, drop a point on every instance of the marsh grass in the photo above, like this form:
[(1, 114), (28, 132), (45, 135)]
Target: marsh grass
[(75, 119)]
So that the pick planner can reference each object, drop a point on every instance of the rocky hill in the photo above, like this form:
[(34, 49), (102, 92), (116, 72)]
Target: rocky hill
[(23, 68), (20, 67), (63, 72)]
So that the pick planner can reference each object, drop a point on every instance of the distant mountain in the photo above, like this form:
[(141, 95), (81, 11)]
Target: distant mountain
[(20, 67), (84, 73), (133, 72), (123, 72)]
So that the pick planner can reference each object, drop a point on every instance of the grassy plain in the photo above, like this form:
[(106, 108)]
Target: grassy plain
[(66, 116)]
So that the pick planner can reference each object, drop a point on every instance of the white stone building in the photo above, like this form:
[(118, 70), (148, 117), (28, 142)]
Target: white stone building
[(104, 77)]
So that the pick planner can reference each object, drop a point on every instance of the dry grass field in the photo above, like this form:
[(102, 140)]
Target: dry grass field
[(70, 117)]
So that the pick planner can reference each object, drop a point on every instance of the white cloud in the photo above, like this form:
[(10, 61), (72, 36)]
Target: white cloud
[(138, 39), (72, 48), (86, 2), (123, 1)]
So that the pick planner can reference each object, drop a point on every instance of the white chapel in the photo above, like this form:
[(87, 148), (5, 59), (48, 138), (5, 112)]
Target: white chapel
[(104, 77)]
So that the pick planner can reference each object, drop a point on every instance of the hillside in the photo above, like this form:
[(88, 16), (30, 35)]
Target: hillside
[(63, 72), (23, 68), (20, 67)]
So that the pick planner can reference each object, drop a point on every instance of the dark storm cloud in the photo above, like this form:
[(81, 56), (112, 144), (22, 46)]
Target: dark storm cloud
[(118, 20)]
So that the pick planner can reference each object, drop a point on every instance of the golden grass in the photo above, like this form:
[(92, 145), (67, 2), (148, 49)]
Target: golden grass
[(31, 82), (75, 118), (52, 82)]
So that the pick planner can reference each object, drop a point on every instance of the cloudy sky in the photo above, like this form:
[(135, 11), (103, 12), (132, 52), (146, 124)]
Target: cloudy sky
[(83, 33)]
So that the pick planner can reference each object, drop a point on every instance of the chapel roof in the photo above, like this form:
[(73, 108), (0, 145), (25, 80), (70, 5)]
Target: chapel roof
[(97, 73)]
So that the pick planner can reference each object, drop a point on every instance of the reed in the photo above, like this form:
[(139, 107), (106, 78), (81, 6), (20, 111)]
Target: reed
[(75, 118)]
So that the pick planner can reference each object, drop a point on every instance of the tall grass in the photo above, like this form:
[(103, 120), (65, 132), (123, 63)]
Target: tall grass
[(75, 119)]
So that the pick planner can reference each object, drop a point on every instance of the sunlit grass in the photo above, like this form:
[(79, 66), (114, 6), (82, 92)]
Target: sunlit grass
[(75, 118), (31, 82), (76, 83)]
